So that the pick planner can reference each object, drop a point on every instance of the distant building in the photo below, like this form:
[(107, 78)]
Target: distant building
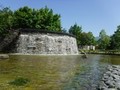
[(88, 47)]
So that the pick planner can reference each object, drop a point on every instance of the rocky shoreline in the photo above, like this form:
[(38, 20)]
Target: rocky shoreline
[(111, 78)]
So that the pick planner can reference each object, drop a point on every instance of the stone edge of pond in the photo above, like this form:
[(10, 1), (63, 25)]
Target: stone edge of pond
[(4, 56), (44, 54), (110, 79)]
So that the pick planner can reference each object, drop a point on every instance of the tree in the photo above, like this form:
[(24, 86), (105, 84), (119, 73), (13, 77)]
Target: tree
[(64, 30), (48, 20), (43, 18), (23, 18), (6, 20), (115, 39), (87, 39), (76, 31), (91, 38), (26, 17), (104, 40)]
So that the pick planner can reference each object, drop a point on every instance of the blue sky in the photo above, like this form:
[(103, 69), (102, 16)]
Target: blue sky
[(92, 15)]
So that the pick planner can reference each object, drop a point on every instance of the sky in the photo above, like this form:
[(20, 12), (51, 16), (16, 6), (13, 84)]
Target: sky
[(91, 15)]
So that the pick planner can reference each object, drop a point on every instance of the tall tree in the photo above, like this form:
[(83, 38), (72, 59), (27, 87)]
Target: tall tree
[(64, 30), (87, 39), (76, 30), (91, 38), (43, 18), (115, 39), (23, 18), (6, 20), (104, 40)]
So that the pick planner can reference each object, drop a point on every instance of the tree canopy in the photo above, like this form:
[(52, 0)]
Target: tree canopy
[(83, 38), (87, 39), (43, 18), (26, 17), (76, 31), (6, 20), (115, 39), (104, 40)]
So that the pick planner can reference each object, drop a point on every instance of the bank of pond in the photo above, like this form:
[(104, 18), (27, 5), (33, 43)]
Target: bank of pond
[(54, 72), (102, 52)]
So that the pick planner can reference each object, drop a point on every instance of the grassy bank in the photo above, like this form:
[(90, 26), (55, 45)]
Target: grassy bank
[(104, 52)]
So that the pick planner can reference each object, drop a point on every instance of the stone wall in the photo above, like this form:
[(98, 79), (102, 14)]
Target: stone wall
[(46, 43)]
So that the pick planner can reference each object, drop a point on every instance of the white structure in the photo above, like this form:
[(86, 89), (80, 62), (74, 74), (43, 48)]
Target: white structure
[(86, 47)]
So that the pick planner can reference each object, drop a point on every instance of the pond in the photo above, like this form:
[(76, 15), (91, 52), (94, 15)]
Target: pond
[(70, 72)]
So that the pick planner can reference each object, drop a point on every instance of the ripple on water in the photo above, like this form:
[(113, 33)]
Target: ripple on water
[(54, 72)]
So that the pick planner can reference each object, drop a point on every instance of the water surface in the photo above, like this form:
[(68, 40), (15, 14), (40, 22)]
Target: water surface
[(54, 72)]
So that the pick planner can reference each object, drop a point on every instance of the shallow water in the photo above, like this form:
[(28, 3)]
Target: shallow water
[(70, 72)]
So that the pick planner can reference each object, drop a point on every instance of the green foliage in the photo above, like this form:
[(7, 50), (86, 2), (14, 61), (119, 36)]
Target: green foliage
[(6, 20), (82, 37), (115, 39), (104, 40), (76, 30), (23, 18), (26, 17), (87, 39), (19, 81), (64, 30), (43, 18)]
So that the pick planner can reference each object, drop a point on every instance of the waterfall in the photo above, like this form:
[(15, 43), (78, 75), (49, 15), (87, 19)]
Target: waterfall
[(46, 43)]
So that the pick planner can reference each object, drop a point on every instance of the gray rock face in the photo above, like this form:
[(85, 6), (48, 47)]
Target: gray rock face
[(46, 44)]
